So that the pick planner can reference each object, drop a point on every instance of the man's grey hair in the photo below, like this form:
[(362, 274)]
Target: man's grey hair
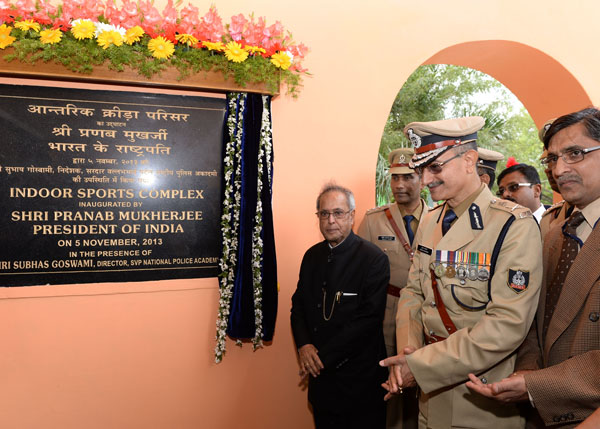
[(332, 187), (465, 147)]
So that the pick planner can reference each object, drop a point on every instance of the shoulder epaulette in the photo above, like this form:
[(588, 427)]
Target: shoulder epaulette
[(515, 209), (554, 208), (377, 209)]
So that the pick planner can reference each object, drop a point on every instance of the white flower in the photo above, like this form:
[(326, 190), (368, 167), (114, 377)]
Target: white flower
[(101, 27)]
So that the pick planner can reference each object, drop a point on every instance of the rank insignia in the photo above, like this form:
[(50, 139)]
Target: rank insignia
[(475, 216), (518, 280)]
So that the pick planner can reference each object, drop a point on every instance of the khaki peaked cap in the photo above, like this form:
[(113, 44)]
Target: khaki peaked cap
[(400, 159), (544, 128), (431, 139), (488, 158)]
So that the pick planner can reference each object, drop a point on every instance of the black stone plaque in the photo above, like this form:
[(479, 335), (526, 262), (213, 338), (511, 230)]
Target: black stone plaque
[(106, 186)]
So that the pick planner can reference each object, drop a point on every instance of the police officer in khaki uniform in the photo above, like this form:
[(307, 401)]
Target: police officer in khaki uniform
[(473, 287), (558, 212), (392, 228), (486, 165)]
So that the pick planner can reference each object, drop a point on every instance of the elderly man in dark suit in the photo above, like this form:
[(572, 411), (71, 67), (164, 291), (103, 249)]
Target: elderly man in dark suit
[(558, 365), (337, 314)]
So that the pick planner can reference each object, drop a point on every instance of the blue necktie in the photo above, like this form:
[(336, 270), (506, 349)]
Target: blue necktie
[(411, 235), (449, 217)]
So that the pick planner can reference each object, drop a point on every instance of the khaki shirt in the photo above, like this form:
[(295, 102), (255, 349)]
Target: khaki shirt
[(488, 332), (377, 229)]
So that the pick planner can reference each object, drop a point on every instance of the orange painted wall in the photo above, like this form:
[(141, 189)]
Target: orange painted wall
[(139, 355)]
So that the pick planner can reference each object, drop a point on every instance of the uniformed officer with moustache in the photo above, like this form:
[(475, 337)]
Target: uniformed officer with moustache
[(392, 228), (558, 212), (473, 287), (486, 165)]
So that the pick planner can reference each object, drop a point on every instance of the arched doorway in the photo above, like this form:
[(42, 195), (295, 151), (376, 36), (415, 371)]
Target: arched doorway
[(545, 88), (543, 85)]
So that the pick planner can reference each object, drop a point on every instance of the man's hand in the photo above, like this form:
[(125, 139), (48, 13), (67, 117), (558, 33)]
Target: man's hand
[(400, 375), (309, 361), (511, 389)]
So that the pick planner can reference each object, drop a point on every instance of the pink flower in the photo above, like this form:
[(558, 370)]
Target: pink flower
[(189, 19), (170, 14), (44, 12), (152, 19), (254, 32), (211, 26), (236, 28)]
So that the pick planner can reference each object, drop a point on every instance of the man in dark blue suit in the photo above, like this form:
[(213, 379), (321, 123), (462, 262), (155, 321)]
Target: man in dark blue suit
[(337, 315)]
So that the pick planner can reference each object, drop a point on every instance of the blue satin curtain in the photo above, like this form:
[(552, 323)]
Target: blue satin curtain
[(242, 316)]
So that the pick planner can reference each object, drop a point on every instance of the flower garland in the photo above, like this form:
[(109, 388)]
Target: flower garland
[(230, 219), (80, 34), (264, 147)]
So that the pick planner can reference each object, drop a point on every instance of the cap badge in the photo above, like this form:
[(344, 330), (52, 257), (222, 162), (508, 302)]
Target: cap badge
[(414, 138), (402, 159), (547, 127)]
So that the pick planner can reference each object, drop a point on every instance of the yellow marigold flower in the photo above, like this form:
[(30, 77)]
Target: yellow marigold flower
[(107, 38), (187, 39), (5, 38), (27, 25), (50, 36), (235, 53), (161, 47), (214, 46), (281, 60), (254, 49), (134, 35), (84, 29)]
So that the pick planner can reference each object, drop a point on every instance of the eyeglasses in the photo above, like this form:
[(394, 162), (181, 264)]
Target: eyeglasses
[(436, 167), (513, 187), (337, 214), (570, 156)]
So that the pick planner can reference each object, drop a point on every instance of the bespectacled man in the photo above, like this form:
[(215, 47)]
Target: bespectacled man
[(472, 288), (559, 362)]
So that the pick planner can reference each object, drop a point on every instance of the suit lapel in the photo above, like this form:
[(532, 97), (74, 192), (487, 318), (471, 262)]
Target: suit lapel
[(582, 275), (552, 246)]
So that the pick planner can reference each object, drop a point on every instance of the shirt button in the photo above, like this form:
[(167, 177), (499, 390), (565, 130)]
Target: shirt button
[(324, 283), (594, 317), (315, 329), (319, 305), (432, 304), (431, 333)]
